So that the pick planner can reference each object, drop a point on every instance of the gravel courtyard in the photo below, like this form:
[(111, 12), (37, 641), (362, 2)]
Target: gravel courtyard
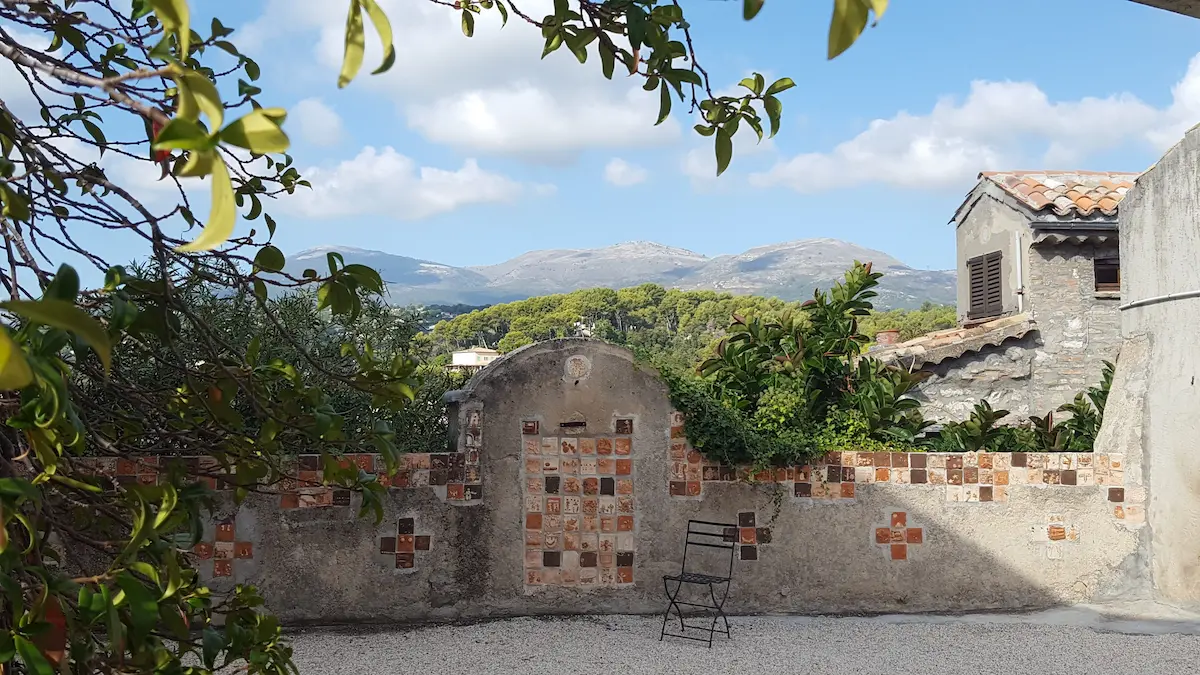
[(1076, 640)]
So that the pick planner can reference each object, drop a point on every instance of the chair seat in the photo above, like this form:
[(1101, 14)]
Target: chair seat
[(694, 578)]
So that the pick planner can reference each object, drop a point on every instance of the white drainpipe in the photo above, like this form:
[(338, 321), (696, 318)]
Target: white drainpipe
[(1017, 256)]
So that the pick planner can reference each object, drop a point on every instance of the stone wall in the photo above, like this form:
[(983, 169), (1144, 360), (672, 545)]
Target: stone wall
[(1077, 329), (570, 486)]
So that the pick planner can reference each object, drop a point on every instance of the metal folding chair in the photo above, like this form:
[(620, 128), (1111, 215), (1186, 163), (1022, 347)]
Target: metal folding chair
[(701, 534)]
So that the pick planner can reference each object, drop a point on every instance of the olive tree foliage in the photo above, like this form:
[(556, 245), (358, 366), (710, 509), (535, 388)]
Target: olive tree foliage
[(114, 84)]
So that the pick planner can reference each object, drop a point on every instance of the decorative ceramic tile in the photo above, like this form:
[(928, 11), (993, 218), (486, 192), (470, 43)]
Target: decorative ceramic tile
[(403, 546), (898, 536), (225, 549)]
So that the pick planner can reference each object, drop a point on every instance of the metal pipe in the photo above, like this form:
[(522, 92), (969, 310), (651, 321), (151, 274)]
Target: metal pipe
[(1020, 293), (1159, 298)]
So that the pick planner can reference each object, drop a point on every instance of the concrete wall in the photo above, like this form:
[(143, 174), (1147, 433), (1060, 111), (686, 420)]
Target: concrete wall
[(992, 225), (854, 532), (1160, 244)]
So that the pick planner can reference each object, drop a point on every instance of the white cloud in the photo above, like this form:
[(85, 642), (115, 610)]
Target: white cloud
[(315, 123), (999, 125), (387, 184), (491, 93), (623, 174)]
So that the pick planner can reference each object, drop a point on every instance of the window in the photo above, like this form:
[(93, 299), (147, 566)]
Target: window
[(983, 276), (1108, 274)]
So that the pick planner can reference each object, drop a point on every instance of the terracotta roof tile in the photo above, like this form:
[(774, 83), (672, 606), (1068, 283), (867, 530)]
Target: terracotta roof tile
[(1066, 193)]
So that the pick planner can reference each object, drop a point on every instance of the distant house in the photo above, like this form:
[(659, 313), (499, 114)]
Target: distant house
[(1039, 282), (473, 359)]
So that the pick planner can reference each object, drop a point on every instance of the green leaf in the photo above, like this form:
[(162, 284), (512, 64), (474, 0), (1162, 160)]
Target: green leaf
[(19, 487), (223, 215), (256, 131), (96, 133), (724, 147), (468, 23), (355, 44), (750, 8), (782, 84), (774, 110), (503, 12), (681, 75), (199, 163), (143, 605), (31, 656), (65, 285), (664, 103), (197, 94), (384, 28), (366, 276), (750, 83), (182, 134), (16, 206), (7, 648), (849, 20), (270, 259), (213, 644), (173, 15), (169, 500), (607, 61), (67, 316)]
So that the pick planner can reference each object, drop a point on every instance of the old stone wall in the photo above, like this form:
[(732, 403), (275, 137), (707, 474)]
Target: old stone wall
[(569, 485)]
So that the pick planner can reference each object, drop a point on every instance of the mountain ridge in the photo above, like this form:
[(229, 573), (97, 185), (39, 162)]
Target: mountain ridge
[(789, 270)]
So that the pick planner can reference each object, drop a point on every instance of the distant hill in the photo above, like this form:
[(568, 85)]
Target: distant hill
[(789, 271)]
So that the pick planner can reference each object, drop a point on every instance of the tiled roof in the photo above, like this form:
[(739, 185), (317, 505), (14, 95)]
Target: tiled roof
[(1066, 193), (933, 348)]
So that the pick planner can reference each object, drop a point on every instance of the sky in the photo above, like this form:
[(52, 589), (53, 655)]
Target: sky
[(472, 151)]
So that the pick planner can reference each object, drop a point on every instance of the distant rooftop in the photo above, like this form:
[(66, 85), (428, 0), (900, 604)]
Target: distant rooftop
[(1065, 193)]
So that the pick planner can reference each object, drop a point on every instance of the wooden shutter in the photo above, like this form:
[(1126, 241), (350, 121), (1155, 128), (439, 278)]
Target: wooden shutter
[(986, 290)]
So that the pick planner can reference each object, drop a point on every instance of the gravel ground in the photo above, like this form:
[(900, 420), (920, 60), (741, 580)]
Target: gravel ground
[(1062, 642)]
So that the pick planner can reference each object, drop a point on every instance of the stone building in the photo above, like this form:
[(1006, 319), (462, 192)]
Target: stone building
[(1038, 288)]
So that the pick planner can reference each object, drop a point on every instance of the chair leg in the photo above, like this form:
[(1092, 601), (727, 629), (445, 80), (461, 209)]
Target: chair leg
[(719, 605), (671, 604)]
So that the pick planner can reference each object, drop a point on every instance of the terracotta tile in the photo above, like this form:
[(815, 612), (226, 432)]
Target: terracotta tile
[(883, 535), (243, 550), (203, 550), (625, 575), (832, 458), (899, 518), (899, 552), (954, 476), (882, 475), (918, 460), (971, 475), (678, 488), (882, 459), (920, 476), (1000, 478), (571, 485), (747, 536), (954, 462), (225, 531), (222, 568), (804, 473), (529, 427), (622, 446), (454, 491), (899, 460), (533, 521), (1116, 494), (896, 535), (624, 426), (604, 446), (693, 488), (1069, 477), (914, 535), (985, 460), (804, 490), (422, 542), (405, 543), (405, 561), (985, 493), (937, 476), (624, 467), (1056, 532), (289, 500), (624, 523), (847, 490)]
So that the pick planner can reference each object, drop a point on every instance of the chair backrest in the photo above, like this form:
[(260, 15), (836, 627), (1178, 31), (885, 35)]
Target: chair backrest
[(714, 538)]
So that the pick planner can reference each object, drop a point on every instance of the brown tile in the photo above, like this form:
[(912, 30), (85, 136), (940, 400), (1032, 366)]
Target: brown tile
[(899, 460), (985, 493), (914, 535), (624, 523), (222, 568), (920, 476), (204, 550), (289, 500), (678, 488), (747, 536), (882, 475), (749, 553), (833, 474), (693, 488), (883, 535), (387, 545), (1000, 477), (622, 446), (804, 490), (763, 535), (422, 542), (1116, 494), (847, 490), (405, 543), (1020, 460), (899, 552), (954, 462), (533, 521), (225, 531), (918, 460), (954, 476), (243, 550), (529, 427), (882, 459), (1069, 477), (588, 559), (624, 426), (847, 474), (624, 467), (971, 475), (985, 461), (625, 575), (746, 519), (899, 518), (404, 561)]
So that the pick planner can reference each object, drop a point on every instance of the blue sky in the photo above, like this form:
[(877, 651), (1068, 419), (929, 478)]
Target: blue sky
[(473, 151)]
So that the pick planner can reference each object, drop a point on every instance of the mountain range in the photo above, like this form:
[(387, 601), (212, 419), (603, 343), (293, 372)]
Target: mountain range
[(790, 271)]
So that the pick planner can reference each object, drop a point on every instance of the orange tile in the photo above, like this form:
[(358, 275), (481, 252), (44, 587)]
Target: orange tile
[(899, 552), (882, 475), (914, 535), (883, 535), (624, 523), (899, 519), (624, 467), (847, 490), (533, 521)]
